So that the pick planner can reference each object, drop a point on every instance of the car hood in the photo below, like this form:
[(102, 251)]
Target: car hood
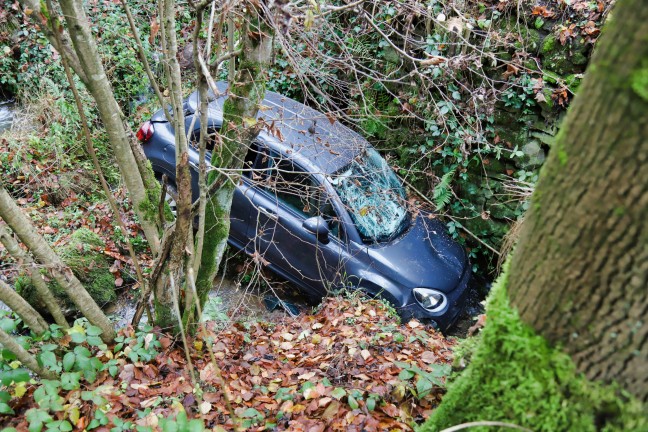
[(424, 256)]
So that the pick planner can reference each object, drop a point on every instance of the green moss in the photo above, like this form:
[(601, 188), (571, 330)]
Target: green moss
[(562, 156), (639, 82), (516, 377), (549, 44), (579, 58), (559, 147), (164, 316), (573, 81), (149, 207), (88, 264)]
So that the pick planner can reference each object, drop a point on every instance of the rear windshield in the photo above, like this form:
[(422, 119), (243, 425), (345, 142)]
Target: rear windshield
[(374, 197)]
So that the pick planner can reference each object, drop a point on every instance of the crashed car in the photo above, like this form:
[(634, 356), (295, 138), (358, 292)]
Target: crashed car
[(324, 210)]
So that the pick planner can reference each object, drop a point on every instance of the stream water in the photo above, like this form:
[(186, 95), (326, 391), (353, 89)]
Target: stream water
[(6, 114), (227, 300)]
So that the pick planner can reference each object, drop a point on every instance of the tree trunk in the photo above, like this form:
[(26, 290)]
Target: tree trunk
[(165, 297), (239, 129), (40, 19), (24, 357), (24, 310), (97, 83), (580, 270), (61, 272), (42, 289)]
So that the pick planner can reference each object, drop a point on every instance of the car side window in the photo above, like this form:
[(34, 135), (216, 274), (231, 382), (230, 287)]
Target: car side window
[(291, 185), (299, 191), (322, 202)]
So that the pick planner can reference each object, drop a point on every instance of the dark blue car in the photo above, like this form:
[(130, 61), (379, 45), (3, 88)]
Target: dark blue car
[(325, 211)]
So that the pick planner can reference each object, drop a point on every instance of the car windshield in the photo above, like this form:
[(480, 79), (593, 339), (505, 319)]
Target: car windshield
[(373, 196)]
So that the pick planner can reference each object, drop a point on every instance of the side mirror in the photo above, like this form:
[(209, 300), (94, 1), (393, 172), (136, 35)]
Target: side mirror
[(318, 226)]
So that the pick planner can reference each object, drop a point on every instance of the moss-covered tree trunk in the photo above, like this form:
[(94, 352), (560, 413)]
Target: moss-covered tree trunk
[(579, 274), (239, 128), (568, 315), (165, 298), (24, 356), (30, 267), (24, 310), (60, 271)]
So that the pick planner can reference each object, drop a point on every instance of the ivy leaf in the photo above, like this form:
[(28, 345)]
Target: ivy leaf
[(371, 404), (77, 334), (15, 375), (405, 374), (59, 425), (423, 387), (93, 331), (5, 396), (70, 380), (36, 418), (48, 359), (6, 409), (8, 325)]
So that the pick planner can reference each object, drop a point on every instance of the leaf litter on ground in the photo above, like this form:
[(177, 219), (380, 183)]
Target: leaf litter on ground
[(349, 366)]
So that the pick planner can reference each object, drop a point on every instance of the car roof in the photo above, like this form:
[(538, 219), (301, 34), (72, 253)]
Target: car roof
[(330, 148)]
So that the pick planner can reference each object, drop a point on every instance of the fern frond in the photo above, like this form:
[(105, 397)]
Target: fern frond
[(442, 191)]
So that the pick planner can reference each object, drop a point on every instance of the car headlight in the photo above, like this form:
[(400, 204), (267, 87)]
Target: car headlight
[(431, 300)]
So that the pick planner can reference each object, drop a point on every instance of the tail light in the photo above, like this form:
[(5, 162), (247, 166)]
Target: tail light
[(145, 131)]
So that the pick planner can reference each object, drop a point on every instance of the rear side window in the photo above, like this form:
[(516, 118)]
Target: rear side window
[(212, 138), (254, 159)]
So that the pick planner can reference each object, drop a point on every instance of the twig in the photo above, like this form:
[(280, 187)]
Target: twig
[(160, 262), (162, 200), (147, 67), (485, 423), (331, 9), (93, 154), (183, 335)]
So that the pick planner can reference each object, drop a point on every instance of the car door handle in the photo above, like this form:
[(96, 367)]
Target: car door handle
[(269, 213)]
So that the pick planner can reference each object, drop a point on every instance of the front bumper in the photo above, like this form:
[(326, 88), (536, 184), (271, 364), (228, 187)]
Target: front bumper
[(447, 317)]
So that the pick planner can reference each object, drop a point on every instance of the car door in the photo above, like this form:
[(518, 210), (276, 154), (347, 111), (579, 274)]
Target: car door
[(285, 197), (243, 208), (241, 202)]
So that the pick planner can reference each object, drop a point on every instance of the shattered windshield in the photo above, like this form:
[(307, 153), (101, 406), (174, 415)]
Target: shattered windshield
[(373, 195)]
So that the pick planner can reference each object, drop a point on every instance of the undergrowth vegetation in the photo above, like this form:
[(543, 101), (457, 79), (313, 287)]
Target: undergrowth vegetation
[(467, 131)]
